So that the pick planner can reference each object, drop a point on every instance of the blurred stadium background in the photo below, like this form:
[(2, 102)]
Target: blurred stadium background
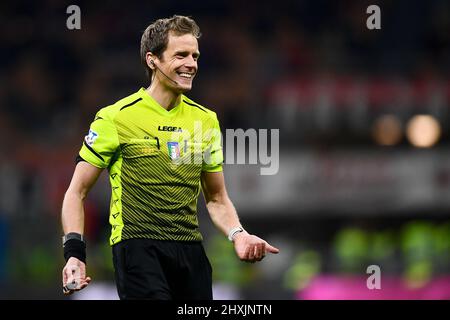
[(364, 140)]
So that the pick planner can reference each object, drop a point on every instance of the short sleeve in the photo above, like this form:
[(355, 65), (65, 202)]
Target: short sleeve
[(213, 157), (101, 142)]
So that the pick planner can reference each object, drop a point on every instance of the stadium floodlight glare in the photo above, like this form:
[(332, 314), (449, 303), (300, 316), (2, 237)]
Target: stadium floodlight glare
[(387, 130), (423, 131)]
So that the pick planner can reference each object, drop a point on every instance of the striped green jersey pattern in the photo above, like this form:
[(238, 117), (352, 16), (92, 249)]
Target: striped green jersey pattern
[(155, 159)]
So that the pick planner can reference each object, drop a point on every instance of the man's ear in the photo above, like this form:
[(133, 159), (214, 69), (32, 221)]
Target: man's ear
[(150, 58)]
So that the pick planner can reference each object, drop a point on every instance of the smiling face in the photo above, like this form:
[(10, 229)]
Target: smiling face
[(178, 62)]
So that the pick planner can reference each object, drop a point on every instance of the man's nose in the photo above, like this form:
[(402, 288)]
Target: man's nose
[(191, 62)]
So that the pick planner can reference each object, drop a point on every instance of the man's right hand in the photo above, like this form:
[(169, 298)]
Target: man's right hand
[(74, 276)]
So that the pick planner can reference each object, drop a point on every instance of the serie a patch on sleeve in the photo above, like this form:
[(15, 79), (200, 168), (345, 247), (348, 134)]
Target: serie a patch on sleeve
[(91, 137)]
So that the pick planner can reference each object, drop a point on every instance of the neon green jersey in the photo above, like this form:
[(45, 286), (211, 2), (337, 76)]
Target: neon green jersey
[(155, 158)]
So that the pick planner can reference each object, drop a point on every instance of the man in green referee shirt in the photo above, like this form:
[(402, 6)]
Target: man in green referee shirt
[(151, 143)]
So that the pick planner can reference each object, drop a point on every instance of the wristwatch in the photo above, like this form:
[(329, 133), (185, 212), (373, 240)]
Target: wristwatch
[(70, 236), (233, 232)]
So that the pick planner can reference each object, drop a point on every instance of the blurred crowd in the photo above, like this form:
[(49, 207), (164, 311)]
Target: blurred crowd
[(310, 68)]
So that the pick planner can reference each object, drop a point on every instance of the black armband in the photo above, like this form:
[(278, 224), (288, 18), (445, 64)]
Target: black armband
[(79, 159), (75, 248)]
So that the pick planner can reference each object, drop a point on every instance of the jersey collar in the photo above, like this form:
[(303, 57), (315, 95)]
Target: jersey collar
[(152, 103)]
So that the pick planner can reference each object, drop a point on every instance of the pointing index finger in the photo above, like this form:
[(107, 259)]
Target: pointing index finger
[(272, 249)]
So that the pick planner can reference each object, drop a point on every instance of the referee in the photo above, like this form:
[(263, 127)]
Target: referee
[(149, 142)]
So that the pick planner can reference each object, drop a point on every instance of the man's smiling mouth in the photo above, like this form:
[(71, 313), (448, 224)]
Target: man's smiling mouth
[(185, 75)]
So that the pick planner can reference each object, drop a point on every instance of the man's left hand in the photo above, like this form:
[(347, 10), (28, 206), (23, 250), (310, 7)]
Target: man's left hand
[(251, 248)]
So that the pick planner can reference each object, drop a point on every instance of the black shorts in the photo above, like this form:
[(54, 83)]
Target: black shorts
[(162, 270)]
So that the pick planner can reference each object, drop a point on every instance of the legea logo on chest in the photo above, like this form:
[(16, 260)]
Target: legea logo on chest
[(170, 128)]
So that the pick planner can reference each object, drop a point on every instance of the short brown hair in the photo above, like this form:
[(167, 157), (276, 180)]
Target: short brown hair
[(156, 37)]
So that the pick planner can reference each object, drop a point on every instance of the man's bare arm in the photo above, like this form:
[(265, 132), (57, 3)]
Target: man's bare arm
[(220, 208), (223, 214), (72, 218)]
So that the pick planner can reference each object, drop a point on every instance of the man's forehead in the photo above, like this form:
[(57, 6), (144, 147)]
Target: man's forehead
[(182, 42)]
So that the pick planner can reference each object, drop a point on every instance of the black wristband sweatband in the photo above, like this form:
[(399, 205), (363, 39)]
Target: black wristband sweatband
[(75, 248)]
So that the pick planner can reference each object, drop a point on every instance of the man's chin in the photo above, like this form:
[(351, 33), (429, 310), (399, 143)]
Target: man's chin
[(184, 88)]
